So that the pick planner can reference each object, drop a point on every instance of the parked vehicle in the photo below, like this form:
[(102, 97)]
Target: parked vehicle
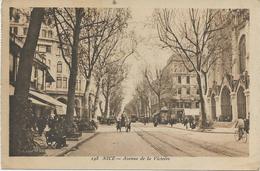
[(134, 118)]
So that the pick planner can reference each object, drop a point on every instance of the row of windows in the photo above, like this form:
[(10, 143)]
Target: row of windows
[(62, 82), (44, 33), (187, 79), (185, 104), (43, 48), (187, 91)]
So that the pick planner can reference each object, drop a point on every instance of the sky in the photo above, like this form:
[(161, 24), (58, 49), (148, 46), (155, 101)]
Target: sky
[(148, 52)]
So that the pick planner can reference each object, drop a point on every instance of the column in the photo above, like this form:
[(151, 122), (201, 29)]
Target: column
[(247, 94), (218, 106), (234, 106), (235, 57)]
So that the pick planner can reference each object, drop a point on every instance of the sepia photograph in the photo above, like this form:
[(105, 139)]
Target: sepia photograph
[(128, 83)]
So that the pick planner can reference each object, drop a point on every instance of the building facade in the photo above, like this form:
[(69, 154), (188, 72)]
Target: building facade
[(228, 98), (49, 54), (183, 93)]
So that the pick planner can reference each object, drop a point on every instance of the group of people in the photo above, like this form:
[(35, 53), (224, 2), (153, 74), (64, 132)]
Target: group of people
[(189, 122), (123, 121)]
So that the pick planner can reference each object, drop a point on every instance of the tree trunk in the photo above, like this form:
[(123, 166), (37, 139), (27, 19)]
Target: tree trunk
[(107, 97), (202, 102), (73, 72), (106, 106), (20, 116), (96, 97), (159, 103), (85, 98)]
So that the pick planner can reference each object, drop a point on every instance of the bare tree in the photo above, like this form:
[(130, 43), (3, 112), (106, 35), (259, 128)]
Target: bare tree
[(144, 95), (158, 83), (116, 52), (68, 24), (188, 35), (20, 134), (115, 103), (113, 78), (101, 39)]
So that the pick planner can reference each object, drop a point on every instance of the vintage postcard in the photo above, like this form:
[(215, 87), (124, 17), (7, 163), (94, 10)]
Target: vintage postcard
[(130, 84)]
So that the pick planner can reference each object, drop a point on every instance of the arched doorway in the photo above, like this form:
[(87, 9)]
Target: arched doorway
[(226, 108), (62, 100), (241, 103), (213, 107)]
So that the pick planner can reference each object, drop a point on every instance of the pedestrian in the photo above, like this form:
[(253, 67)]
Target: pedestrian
[(240, 125), (191, 119), (186, 122), (246, 121)]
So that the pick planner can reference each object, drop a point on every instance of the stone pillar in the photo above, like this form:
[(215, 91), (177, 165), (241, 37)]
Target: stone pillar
[(235, 57), (247, 94), (218, 106), (234, 106)]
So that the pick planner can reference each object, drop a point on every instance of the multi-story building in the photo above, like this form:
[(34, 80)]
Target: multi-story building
[(52, 81), (184, 91), (228, 98)]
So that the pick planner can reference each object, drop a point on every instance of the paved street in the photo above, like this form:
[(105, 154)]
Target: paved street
[(146, 140)]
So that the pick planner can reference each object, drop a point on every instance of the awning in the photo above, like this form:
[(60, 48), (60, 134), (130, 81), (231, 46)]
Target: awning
[(164, 109), (60, 107), (37, 102), (49, 76), (193, 112)]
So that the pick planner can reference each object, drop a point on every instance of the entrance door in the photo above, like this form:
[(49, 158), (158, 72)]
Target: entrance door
[(241, 103), (226, 108), (213, 107)]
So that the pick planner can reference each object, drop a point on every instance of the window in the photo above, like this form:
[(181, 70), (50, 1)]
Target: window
[(59, 82), (44, 34), (17, 17), (15, 30), (48, 49), (242, 54), (41, 48), (79, 85), (179, 79), (49, 34), (188, 79), (59, 67), (65, 84), (188, 91), (25, 30), (198, 91), (179, 90), (188, 105), (197, 104), (44, 60), (48, 85)]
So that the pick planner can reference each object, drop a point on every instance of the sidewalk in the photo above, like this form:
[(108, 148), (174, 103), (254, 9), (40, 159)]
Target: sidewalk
[(214, 130), (71, 145)]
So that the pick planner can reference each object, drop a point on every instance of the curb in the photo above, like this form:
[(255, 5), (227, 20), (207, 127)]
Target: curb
[(62, 153), (204, 131)]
